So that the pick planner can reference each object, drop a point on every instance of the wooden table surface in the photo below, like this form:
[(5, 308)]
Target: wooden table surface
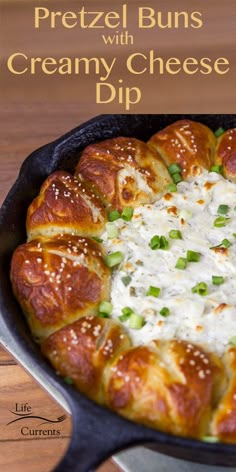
[(23, 129)]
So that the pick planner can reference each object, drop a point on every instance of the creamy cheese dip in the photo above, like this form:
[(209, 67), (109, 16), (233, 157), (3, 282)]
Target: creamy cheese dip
[(208, 320)]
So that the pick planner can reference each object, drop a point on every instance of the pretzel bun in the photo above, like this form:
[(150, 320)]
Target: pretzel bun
[(57, 280), (225, 154), (187, 143), (168, 385), (65, 205), (82, 350), (224, 419), (123, 172)]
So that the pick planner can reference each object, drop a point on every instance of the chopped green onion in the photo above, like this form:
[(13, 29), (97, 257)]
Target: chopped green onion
[(201, 288), (112, 230), (101, 314), (164, 311), (126, 280), (193, 256), (155, 242), (153, 291), (225, 242), (219, 222), (223, 209), (126, 313), (98, 240), (69, 380), (127, 213), (113, 215), (172, 187), (174, 169), (105, 307), (219, 132), (234, 235), (164, 244), (181, 263), (233, 341), (114, 259), (217, 169), (177, 178), (217, 280), (175, 234), (210, 439), (136, 321)]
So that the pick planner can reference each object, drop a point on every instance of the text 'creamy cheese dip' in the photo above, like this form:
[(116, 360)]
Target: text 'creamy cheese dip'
[(209, 320)]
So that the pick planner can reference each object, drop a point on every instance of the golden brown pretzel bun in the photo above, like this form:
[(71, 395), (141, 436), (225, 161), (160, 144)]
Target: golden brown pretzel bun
[(65, 205), (57, 280), (187, 143), (167, 385), (225, 154), (123, 171), (224, 420), (82, 350)]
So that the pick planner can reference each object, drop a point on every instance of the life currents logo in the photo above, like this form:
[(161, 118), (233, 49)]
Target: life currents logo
[(32, 424)]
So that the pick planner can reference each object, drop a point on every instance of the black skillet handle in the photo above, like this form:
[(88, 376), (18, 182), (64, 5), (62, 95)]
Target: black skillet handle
[(97, 434)]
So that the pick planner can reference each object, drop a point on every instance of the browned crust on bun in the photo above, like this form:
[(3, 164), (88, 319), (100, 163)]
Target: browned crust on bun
[(187, 143), (224, 419), (123, 172), (225, 154), (65, 205), (168, 385), (57, 280), (82, 350)]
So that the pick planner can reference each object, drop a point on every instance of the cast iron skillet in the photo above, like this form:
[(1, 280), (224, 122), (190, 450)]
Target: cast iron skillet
[(97, 432)]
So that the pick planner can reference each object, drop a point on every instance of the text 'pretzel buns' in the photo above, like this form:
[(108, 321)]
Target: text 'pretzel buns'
[(61, 276)]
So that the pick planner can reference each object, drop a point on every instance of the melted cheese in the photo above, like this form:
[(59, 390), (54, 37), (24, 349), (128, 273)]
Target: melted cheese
[(207, 320)]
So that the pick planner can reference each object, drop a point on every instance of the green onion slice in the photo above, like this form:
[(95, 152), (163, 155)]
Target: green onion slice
[(210, 439), (174, 169), (153, 291), (172, 187), (126, 313), (181, 263), (217, 279), (164, 311), (113, 215), (175, 234), (219, 132), (177, 178), (164, 244), (98, 240), (101, 314), (217, 169), (136, 321), (126, 280), (233, 341), (114, 259), (223, 209), (69, 380), (193, 256), (225, 243), (127, 214), (105, 307), (112, 230), (201, 288), (155, 242), (219, 222)]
